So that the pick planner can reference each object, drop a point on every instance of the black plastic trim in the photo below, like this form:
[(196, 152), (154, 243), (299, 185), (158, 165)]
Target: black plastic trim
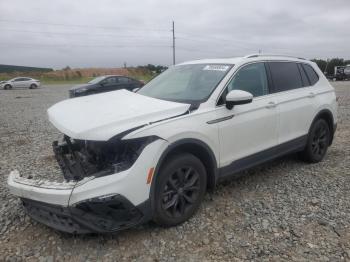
[(221, 119), (239, 165), (97, 215)]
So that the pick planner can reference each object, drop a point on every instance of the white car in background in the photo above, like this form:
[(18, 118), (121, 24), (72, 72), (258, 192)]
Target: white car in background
[(130, 157), (20, 82)]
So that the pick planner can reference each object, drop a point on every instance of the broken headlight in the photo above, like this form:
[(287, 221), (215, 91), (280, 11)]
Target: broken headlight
[(82, 158)]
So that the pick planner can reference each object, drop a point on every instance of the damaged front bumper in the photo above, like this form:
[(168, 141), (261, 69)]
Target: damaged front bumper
[(100, 215), (52, 192), (93, 204)]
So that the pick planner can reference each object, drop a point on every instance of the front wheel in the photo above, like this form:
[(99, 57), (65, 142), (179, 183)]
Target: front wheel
[(7, 87), (180, 188), (32, 86), (318, 142)]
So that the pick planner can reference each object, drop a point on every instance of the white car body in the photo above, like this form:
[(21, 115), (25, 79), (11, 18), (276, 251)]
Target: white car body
[(20, 82), (233, 140)]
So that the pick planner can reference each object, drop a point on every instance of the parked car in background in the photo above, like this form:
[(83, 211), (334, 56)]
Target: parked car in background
[(103, 84), (20, 82)]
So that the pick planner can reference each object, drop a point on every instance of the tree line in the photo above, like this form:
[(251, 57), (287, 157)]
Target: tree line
[(327, 66)]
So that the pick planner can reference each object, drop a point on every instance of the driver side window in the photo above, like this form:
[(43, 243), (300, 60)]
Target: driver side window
[(251, 78)]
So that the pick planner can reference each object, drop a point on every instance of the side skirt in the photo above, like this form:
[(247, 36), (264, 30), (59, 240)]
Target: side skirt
[(242, 164)]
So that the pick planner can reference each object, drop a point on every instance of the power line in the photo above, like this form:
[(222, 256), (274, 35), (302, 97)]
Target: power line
[(79, 34), (74, 45), (82, 25)]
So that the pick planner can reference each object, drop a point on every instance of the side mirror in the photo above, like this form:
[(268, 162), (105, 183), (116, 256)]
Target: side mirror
[(238, 97)]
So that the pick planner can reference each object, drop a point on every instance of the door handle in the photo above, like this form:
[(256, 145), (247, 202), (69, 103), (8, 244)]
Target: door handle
[(271, 105), (311, 95)]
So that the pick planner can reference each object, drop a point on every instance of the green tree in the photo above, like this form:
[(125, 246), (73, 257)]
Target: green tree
[(322, 64)]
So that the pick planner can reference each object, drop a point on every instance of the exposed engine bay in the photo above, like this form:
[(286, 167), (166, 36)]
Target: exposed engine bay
[(82, 158)]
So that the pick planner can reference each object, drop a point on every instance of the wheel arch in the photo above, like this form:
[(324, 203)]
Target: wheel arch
[(327, 115), (196, 147)]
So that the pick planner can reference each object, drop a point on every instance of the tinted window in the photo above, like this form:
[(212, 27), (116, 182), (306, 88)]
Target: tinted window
[(304, 78), (123, 80), (251, 78), (285, 76), (111, 80), (311, 74)]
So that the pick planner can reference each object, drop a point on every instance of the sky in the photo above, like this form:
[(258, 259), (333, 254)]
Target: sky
[(107, 33)]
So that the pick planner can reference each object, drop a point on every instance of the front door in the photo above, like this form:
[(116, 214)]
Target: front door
[(109, 84), (248, 132)]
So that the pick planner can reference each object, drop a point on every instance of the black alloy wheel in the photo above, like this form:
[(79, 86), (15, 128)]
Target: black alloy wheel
[(180, 188), (181, 191), (318, 142)]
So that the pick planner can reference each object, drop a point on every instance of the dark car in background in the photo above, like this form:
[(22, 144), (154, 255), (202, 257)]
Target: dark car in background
[(103, 84)]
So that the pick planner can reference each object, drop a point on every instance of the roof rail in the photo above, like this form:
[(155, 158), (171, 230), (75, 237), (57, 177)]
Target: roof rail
[(257, 55)]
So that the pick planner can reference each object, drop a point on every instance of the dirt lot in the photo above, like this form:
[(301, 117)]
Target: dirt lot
[(285, 210)]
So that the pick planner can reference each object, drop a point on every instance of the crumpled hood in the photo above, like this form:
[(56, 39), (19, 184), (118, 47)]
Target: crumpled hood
[(100, 117)]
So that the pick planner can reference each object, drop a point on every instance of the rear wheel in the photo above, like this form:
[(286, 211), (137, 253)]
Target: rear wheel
[(318, 142), (180, 188)]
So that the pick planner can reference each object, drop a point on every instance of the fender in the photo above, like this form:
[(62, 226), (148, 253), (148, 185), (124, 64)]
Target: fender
[(328, 115), (212, 165)]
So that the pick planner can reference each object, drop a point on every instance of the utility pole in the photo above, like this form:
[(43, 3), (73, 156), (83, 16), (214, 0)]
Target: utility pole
[(173, 43)]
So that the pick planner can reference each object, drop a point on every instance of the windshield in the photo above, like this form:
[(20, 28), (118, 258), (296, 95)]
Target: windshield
[(186, 83), (97, 79)]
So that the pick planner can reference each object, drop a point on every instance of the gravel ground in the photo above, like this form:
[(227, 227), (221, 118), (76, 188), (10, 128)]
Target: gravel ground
[(285, 210)]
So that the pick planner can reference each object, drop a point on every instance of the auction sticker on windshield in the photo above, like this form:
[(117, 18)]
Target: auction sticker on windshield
[(216, 67)]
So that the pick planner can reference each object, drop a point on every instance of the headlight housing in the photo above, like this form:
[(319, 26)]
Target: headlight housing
[(80, 90), (82, 158)]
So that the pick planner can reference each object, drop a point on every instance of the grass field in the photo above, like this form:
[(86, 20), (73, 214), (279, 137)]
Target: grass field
[(79, 76)]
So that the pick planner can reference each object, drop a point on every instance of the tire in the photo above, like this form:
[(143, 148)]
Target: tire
[(317, 142), (180, 189), (7, 87), (32, 86)]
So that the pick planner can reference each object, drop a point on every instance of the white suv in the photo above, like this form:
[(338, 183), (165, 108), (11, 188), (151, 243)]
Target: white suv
[(131, 157)]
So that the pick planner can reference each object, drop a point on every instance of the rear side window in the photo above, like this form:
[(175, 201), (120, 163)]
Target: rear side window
[(285, 76), (311, 74), (123, 80), (304, 78)]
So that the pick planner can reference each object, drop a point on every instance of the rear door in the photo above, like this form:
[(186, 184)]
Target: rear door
[(26, 82), (294, 101), (124, 83)]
